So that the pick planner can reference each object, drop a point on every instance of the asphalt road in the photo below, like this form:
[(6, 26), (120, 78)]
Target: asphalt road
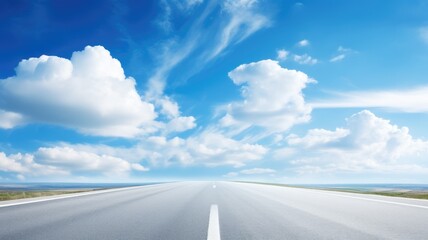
[(214, 210)]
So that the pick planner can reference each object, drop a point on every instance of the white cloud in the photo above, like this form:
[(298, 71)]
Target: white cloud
[(235, 21), (24, 165), (139, 167), (164, 20), (10, 165), (168, 107), (188, 4), (272, 96), (181, 124), (208, 148), (78, 162), (257, 171), (10, 119), (303, 43), (317, 137), (89, 93), (305, 59), (214, 149), (423, 33), (403, 100), (341, 54), (61, 161), (368, 143), (244, 20), (338, 58), (282, 54)]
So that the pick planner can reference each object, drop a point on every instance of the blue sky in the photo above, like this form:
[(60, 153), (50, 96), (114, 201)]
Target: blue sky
[(279, 91)]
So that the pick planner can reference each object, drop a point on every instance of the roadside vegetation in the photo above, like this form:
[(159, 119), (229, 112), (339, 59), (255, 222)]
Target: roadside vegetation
[(406, 194), (13, 195)]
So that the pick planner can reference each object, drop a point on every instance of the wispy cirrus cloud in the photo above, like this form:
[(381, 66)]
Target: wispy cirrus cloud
[(243, 18), (403, 100), (204, 40), (341, 54), (236, 20)]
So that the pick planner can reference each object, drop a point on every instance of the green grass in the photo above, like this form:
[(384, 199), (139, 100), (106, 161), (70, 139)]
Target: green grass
[(13, 195), (409, 194), (405, 194)]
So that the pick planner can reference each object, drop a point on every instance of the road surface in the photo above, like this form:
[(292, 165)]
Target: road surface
[(215, 210)]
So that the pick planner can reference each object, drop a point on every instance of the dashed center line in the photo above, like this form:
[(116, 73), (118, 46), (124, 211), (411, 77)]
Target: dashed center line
[(213, 225)]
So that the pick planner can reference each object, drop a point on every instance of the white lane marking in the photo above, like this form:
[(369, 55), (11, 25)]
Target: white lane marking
[(378, 200), (214, 225), (68, 196)]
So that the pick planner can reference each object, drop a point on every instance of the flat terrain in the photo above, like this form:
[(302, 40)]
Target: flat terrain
[(13, 195), (186, 210)]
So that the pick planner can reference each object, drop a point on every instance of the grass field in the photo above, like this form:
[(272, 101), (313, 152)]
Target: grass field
[(13, 195), (407, 194)]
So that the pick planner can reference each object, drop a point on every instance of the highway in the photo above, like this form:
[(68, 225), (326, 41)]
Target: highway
[(213, 211)]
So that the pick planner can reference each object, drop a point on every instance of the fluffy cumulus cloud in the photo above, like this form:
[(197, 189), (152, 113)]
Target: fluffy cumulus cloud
[(24, 165), (282, 54), (272, 96), (89, 92), (181, 124), (66, 161), (367, 143), (208, 148), (83, 161), (171, 111), (305, 59), (10, 164), (10, 119), (303, 43)]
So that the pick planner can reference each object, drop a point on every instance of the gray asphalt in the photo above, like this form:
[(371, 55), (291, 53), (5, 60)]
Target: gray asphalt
[(246, 211)]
